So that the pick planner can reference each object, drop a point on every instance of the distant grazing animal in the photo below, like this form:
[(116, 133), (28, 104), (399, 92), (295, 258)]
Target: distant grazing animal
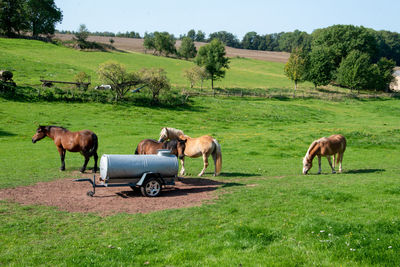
[(196, 147), (334, 144), (84, 141), (150, 146)]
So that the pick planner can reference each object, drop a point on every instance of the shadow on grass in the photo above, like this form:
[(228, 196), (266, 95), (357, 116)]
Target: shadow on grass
[(195, 186), (364, 171), (5, 133), (238, 174)]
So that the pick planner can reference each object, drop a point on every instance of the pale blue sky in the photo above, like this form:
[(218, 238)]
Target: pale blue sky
[(235, 16)]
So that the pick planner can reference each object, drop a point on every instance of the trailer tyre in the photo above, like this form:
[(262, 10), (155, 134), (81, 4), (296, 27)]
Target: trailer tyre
[(151, 188)]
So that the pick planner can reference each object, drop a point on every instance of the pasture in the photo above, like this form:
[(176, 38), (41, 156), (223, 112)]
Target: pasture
[(265, 213)]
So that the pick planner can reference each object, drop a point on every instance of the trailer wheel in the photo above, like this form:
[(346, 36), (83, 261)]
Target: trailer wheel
[(90, 193), (151, 188)]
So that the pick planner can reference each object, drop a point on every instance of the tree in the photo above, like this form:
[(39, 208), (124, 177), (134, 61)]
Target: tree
[(321, 66), (194, 74), (187, 49), (164, 43), (384, 74), (82, 34), (148, 41), (212, 58), (355, 70), (296, 67), (343, 39), (12, 17), (115, 74), (200, 36), (227, 38), (251, 41), (42, 16), (156, 80), (191, 34)]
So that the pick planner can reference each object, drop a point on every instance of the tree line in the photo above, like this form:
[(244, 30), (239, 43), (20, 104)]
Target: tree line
[(348, 56)]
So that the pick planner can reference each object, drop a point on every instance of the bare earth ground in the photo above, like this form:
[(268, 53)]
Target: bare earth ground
[(67, 195), (136, 45)]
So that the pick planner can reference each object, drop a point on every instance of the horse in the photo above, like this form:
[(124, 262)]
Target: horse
[(325, 146), (85, 142), (196, 147), (150, 146)]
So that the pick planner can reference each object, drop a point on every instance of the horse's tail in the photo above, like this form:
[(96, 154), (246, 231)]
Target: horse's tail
[(95, 144), (217, 156)]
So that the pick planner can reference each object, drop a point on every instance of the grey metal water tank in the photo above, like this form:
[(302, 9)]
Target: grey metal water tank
[(133, 166)]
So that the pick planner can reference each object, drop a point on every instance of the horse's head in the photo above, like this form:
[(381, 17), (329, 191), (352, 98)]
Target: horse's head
[(41, 133), (163, 135), (307, 164), (180, 146)]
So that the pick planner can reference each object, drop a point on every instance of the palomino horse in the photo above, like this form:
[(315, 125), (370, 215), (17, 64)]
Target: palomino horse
[(334, 144), (85, 142), (150, 146), (196, 147)]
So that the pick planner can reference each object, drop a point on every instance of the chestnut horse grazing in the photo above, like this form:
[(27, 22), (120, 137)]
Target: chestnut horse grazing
[(334, 144), (196, 147), (84, 141), (150, 146)]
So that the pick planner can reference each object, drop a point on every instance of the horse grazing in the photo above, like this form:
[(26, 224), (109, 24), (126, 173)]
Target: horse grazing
[(84, 141), (196, 147), (334, 144), (150, 146)]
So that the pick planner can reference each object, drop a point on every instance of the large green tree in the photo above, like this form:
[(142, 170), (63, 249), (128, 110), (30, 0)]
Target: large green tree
[(12, 17), (355, 71), (187, 48), (296, 67), (42, 16), (321, 66), (212, 58)]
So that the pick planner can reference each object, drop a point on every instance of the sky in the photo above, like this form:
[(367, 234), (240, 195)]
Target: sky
[(234, 16)]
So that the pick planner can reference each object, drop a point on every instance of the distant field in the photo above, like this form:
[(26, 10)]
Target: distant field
[(136, 45), (30, 60)]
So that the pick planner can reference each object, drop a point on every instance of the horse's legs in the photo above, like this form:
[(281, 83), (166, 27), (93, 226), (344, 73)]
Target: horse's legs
[(85, 163), (62, 151), (330, 163), (340, 162), (214, 155), (205, 160), (334, 160), (183, 167), (319, 165), (95, 157)]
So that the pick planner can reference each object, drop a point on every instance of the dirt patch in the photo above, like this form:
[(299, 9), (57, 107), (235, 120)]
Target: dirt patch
[(67, 195), (136, 45)]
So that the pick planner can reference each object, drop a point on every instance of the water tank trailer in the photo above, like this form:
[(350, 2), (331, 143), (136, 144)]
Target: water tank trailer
[(148, 172)]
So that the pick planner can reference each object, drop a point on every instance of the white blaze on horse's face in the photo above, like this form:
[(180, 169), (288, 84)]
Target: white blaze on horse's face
[(306, 165)]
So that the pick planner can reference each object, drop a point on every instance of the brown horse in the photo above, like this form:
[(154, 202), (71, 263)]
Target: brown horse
[(334, 144), (85, 142), (150, 146), (196, 147)]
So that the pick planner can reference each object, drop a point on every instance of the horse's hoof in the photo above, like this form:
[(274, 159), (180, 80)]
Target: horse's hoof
[(62, 169), (82, 171), (333, 172), (319, 173), (94, 171)]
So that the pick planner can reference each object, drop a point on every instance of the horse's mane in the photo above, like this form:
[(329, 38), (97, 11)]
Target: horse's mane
[(48, 128), (174, 133), (313, 144)]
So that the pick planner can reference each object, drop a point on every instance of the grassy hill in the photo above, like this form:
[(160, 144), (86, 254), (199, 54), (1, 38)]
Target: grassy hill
[(30, 60)]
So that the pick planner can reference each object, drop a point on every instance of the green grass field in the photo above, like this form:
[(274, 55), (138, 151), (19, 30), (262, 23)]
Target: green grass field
[(60, 63), (283, 218)]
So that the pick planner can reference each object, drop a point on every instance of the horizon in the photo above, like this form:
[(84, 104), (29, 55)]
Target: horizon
[(99, 16)]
